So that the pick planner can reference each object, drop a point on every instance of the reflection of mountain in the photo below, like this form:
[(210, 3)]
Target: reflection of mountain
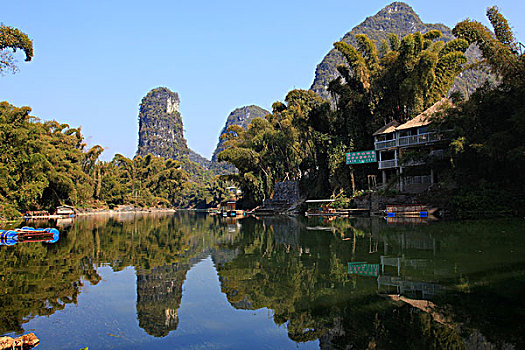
[(41, 279), (300, 274), (159, 293)]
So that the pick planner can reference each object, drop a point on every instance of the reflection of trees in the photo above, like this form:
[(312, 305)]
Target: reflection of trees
[(278, 264), (302, 276), (39, 279), (371, 323)]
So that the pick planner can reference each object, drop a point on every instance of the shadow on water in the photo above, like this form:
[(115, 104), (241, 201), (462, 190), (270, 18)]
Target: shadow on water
[(441, 285)]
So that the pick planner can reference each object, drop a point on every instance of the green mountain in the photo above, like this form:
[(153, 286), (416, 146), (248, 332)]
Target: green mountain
[(240, 116), (398, 18), (161, 129), (160, 125)]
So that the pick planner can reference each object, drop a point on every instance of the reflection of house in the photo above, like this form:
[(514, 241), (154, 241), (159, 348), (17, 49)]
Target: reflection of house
[(228, 208), (405, 285), (404, 150), (399, 285)]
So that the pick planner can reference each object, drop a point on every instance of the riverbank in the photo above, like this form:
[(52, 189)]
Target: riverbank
[(91, 212)]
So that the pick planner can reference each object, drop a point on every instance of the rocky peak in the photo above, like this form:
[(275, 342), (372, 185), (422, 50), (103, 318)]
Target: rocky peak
[(401, 19), (242, 116), (172, 104), (160, 125), (397, 7)]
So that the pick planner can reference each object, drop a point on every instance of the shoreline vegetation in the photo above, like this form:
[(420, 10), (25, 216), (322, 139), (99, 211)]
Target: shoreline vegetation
[(45, 164)]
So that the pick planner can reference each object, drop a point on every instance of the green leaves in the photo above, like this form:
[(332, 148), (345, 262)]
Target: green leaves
[(410, 77), (13, 39)]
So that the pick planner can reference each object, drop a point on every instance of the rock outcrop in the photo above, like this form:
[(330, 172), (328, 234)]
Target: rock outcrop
[(398, 18), (161, 130), (241, 116), (160, 125), (27, 341)]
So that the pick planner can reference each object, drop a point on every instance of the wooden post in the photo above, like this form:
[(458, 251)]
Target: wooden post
[(353, 180)]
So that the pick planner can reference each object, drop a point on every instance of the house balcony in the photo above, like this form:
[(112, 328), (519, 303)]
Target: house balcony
[(386, 164), (405, 141), (380, 145), (418, 180), (420, 139)]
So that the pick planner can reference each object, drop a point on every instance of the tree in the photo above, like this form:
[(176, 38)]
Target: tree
[(282, 146), (397, 82), (488, 130), (13, 39)]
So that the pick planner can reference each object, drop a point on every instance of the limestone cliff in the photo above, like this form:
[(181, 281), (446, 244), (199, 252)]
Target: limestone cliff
[(161, 130), (398, 18), (240, 116), (160, 125)]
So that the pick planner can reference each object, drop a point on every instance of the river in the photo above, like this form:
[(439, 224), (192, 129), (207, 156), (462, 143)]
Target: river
[(194, 281)]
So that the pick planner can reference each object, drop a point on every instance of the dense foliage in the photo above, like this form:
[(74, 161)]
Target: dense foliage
[(400, 19), (488, 130), (47, 164), (242, 117), (303, 139), (41, 163), (12, 39)]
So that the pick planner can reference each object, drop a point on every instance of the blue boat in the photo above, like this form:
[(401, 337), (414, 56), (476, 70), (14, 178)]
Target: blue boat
[(29, 234)]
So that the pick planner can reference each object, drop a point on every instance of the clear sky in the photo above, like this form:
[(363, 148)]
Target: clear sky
[(95, 60)]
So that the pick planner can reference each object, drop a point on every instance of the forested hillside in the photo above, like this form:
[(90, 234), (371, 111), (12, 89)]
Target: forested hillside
[(400, 19), (241, 117), (305, 138)]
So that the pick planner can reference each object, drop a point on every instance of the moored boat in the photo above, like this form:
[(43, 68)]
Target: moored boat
[(29, 234)]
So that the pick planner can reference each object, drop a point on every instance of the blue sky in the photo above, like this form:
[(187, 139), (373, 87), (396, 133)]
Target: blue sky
[(95, 60)]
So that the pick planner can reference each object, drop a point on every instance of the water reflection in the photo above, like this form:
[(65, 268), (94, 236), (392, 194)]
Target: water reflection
[(441, 285)]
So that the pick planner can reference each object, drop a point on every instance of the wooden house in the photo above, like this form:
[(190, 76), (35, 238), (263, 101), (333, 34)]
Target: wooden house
[(65, 210), (404, 150)]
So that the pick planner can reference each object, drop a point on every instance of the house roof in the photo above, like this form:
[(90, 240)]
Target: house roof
[(420, 120), (390, 127), (425, 117)]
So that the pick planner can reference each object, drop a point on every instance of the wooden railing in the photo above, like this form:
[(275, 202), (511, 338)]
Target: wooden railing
[(419, 139), (385, 144), (385, 164), (408, 141)]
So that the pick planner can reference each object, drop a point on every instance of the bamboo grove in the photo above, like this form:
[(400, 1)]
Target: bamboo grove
[(46, 164), (306, 139)]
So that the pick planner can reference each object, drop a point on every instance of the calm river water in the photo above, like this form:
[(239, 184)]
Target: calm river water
[(190, 281)]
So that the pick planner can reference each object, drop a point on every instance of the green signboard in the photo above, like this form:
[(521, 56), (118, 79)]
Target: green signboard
[(361, 157), (363, 269)]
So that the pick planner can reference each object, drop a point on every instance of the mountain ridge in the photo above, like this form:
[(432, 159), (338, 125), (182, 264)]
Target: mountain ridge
[(401, 19)]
